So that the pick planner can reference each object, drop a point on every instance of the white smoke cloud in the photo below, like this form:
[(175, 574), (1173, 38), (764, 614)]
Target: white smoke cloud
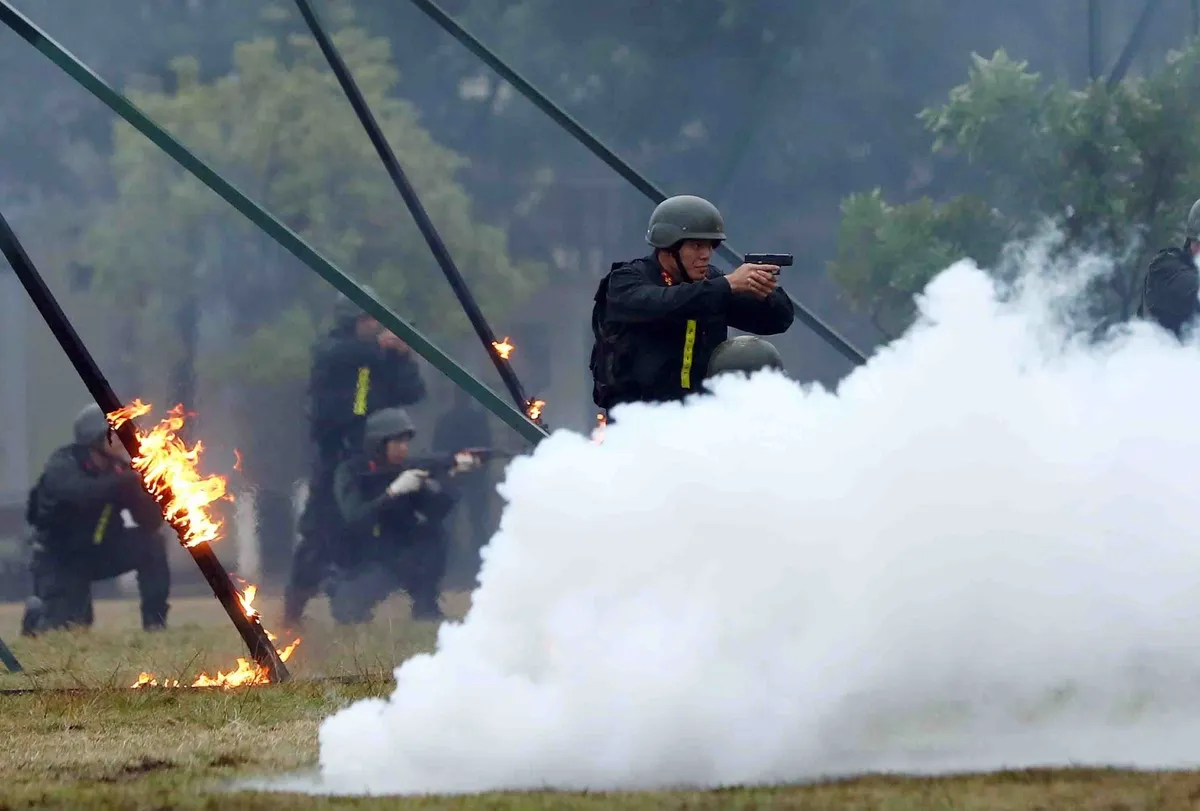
[(982, 551)]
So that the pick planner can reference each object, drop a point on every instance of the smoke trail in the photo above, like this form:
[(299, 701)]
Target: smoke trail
[(981, 551)]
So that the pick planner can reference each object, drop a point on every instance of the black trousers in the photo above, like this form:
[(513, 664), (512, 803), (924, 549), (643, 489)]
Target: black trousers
[(62, 581), (414, 565), (317, 531)]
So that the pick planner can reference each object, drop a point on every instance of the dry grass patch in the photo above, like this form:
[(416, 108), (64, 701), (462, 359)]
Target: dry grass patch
[(84, 740)]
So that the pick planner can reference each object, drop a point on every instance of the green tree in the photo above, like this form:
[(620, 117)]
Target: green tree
[(1113, 168), (279, 126)]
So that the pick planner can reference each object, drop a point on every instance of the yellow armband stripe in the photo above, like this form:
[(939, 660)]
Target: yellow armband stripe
[(361, 390), (689, 351)]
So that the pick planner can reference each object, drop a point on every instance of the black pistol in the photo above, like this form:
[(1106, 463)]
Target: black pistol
[(783, 260)]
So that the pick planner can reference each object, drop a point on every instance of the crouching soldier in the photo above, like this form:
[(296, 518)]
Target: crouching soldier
[(1171, 288), (358, 368), (92, 520), (393, 512)]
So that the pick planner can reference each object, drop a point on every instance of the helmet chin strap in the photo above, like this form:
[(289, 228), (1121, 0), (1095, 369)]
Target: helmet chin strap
[(680, 269), (683, 275)]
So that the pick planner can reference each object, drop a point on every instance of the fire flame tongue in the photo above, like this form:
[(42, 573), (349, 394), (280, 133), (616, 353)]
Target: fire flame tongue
[(503, 348), (247, 672), (246, 598), (598, 431), (169, 468), (533, 408)]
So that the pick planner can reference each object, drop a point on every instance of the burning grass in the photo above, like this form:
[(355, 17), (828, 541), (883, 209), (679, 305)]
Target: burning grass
[(106, 746), (247, 673), (200, 640)]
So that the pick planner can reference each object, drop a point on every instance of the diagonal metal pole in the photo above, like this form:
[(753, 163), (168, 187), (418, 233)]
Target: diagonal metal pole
[(276, 230), (1125, 58), (457, 283), (614, 161), (253, 634), (9, 660)]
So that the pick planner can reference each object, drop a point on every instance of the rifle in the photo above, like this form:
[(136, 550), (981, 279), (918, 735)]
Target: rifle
[(443, 464)]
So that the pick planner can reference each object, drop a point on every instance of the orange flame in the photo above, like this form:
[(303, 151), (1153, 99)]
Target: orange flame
[(149, 680), (503, 348), (246, 598), (246, 673), (287, 652), (169, 470), (598, 431), (534, 409), (167, 465)]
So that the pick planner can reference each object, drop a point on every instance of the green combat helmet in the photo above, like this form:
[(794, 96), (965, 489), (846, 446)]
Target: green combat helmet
[(91, 426), (346, 310), (1193, 222), (385, 424), (684, 217), (744, 353)]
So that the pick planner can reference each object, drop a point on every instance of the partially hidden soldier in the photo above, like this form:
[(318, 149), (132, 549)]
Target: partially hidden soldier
[(656, 320), (92, 520), (393, 513), (358, 368), (1171, 290), (746, 354)]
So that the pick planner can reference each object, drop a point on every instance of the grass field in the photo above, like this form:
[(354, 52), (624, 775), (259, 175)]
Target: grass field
[(77, 737)]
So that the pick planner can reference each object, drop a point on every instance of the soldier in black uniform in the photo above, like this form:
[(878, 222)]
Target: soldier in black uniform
[(92, 520), (358, 368), (656, 320), (393, 516), (1172, 285)]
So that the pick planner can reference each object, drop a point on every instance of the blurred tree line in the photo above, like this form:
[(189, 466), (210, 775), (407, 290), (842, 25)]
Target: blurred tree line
[(276, 124), (775, 109), (799, 119), (1114, 169)]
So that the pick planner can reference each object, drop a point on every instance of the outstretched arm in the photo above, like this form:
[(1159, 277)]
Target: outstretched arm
[(632, 297), (769, 316)]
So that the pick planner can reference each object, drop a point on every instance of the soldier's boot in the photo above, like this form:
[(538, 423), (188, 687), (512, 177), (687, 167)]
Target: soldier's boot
[(422, 573), (424, 592)]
